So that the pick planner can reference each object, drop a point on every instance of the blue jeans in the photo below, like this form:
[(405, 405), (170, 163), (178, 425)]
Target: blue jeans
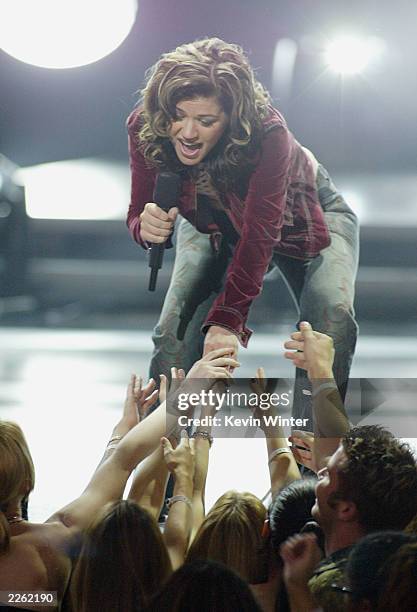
[(322, 289)]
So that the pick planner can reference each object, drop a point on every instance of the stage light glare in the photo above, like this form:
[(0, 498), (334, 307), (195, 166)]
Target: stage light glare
[(65, 33), (349, 54), (93, 189)]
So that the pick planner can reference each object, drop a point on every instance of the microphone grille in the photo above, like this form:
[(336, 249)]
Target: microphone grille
[(167, 190)]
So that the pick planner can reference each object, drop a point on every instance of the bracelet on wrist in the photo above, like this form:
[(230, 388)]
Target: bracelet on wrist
[(111, 447), (114, 439), (278, 451), (113, 442), (178, 498), (203, 434)]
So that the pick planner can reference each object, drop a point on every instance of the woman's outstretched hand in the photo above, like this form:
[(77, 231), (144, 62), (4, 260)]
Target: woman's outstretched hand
[(219, 337), (215, 364)]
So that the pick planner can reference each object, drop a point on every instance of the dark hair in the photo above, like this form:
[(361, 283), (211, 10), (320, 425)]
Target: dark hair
[(123, 561), (367, 566), (290, 510), (380, 477), (204, 586), (207, 67), (400, 587)]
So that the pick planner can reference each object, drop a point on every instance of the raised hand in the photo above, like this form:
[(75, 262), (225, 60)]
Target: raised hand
[(219, 337), (214, 364), (301, 555), (311, 351), (302, 449), (176, 374), (179, 460), (139, 399)]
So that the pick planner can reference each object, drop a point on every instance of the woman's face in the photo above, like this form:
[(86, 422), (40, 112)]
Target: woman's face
[(198, 126)]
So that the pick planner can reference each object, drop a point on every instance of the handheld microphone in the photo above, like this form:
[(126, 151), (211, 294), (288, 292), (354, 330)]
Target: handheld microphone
[(165, 195)]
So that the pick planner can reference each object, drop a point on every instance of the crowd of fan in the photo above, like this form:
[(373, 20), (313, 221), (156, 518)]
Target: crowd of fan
[(340, 539)]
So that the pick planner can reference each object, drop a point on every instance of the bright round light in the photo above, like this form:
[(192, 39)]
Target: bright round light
[(350, 54), (64, 33)]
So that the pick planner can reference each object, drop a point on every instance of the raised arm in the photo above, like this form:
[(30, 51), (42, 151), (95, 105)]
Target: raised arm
[(283, 468), (142, 179), (109, 480), (139, 399), (180, 462), (202, 443), (262, 222), (301, 555), (151, 476), (314, 352)]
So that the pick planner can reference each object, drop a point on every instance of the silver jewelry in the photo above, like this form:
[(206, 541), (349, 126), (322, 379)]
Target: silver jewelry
[(177, 498), (203, 434), (14, 519), (278, 451)]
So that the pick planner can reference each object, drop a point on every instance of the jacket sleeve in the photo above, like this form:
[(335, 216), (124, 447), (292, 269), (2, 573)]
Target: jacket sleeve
[(261, 231), (142, 180)]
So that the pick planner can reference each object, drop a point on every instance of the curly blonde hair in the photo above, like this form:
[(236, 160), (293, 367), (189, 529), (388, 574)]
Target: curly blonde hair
[(205, 68)]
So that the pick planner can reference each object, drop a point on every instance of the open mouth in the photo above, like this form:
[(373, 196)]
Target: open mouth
[(189, 150)]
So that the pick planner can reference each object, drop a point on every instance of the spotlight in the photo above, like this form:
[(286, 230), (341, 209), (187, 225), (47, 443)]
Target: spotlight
[(94, 189), (64, 34), (348, 54), (13, 232)]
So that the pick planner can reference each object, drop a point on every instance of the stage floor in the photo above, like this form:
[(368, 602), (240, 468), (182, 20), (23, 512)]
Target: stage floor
[(66, 388)]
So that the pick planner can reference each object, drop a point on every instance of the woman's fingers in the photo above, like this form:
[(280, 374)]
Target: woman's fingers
[(295, 356), (225, 361), (150, 386), (163, 388), (294, 344), (299, 436), (298, 360), (166, 445), (131, 386), (221, 373), (215, 353), (149, 401), (296, 455), (185, 440)]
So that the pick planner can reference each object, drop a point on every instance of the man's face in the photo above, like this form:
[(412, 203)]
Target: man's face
[(323, 511)]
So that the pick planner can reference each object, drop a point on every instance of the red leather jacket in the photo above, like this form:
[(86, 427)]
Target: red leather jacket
[(281, 212)]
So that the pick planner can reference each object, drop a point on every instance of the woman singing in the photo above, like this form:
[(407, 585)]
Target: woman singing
[(252, 198)]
